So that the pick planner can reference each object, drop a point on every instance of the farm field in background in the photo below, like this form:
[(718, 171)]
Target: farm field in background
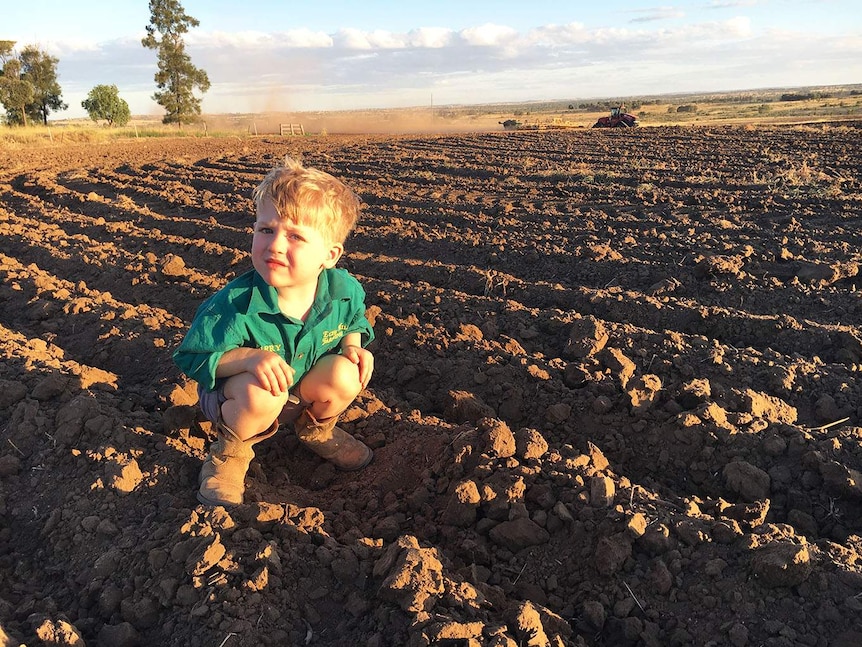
[(756, 107)]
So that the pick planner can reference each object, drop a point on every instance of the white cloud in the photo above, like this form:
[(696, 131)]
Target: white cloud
[(257, 40), (351, 39), (488, 35), (732, 4), (430, 37), (657, 13), (557, 35)]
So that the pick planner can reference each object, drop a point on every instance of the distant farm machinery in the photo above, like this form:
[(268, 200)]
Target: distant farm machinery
[(618, 118)]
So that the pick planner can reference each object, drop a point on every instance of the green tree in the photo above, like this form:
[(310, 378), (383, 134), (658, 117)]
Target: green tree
[(40, 70), (104, 102), (6, 52), (15, 92), (176, 78)]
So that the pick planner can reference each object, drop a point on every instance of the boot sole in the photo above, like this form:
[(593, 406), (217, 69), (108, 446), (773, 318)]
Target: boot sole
[(214, 504)]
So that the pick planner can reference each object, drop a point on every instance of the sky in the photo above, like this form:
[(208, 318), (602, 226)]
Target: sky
[(283, 56)]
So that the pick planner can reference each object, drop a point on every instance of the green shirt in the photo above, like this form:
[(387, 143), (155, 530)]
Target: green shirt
[(245, 313)]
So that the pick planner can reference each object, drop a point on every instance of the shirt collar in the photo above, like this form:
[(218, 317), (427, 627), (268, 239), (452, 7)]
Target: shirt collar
[(264, 297)]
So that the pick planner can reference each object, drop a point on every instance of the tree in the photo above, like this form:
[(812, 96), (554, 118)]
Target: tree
[(40, 70), (104, 102), (176, 78), (15, 92), (5, 52)]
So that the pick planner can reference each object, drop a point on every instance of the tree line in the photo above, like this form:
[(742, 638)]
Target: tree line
[(30, 89)]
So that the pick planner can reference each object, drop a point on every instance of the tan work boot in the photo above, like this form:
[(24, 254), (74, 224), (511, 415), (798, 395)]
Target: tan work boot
[(222, 477), (332, 443)]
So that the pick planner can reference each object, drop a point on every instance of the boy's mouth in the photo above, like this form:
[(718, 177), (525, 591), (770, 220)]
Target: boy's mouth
[(274, 262)]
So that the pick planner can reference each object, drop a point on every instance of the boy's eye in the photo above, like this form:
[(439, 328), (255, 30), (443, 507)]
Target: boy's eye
[(264, 230)]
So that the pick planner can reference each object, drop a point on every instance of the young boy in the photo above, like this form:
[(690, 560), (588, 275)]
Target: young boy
[(286, 340)]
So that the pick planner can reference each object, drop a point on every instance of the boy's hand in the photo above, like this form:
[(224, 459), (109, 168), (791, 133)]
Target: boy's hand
[(363, 359), (272, 372)]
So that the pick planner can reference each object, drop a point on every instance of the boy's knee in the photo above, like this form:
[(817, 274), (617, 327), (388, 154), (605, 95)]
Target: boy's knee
[(334, 376), (265, 403), (345, 375), (249, 395)]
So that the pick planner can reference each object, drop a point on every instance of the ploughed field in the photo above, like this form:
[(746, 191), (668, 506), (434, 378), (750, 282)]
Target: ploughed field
[(616, 398)]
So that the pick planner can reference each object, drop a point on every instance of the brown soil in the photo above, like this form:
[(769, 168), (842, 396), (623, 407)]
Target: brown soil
[(616, 398)]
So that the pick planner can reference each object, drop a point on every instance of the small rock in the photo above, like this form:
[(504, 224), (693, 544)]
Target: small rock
[(619, 365), (518, 534), (173, 265), (122, 473), (750, 514), (587, 337), (463, 406), (594, 614), (453, 631), (322, 476), (782, 564), (761, 405), (636, 525), (597, 457), (558, 413), (121, 635), (59, 633), (694, 393), (738, 635), (656, 540), (500, 439), (413, 575), (826, 409), (9, 465), (11, 393), (142, 613), (208, 553), (660, 577), (528, 626), (602, 490), (462, 507), (50, 387), (746, 480), (179, 417), (841, 479), (602, 404), (643, 391), (611, 553), (563, 513), (529, 443)]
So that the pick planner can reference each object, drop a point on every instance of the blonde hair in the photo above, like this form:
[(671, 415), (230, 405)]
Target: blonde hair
[(311, 197)]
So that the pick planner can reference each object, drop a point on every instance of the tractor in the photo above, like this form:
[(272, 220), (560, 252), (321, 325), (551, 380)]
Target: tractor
[(618, 118)]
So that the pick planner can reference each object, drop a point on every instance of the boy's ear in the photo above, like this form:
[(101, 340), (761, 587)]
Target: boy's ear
[(333, 254)]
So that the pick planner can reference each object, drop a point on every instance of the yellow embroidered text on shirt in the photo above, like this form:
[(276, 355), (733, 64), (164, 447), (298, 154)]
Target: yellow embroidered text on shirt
[(330, 336)]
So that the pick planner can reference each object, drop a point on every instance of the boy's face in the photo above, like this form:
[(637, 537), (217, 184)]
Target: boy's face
[(289, 255)]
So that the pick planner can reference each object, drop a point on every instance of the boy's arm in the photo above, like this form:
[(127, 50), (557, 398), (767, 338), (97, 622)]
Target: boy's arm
[(351, 339), (351, 348), (209, 337)]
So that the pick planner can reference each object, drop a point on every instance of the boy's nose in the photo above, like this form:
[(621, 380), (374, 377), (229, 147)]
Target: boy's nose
[(278, 243)]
